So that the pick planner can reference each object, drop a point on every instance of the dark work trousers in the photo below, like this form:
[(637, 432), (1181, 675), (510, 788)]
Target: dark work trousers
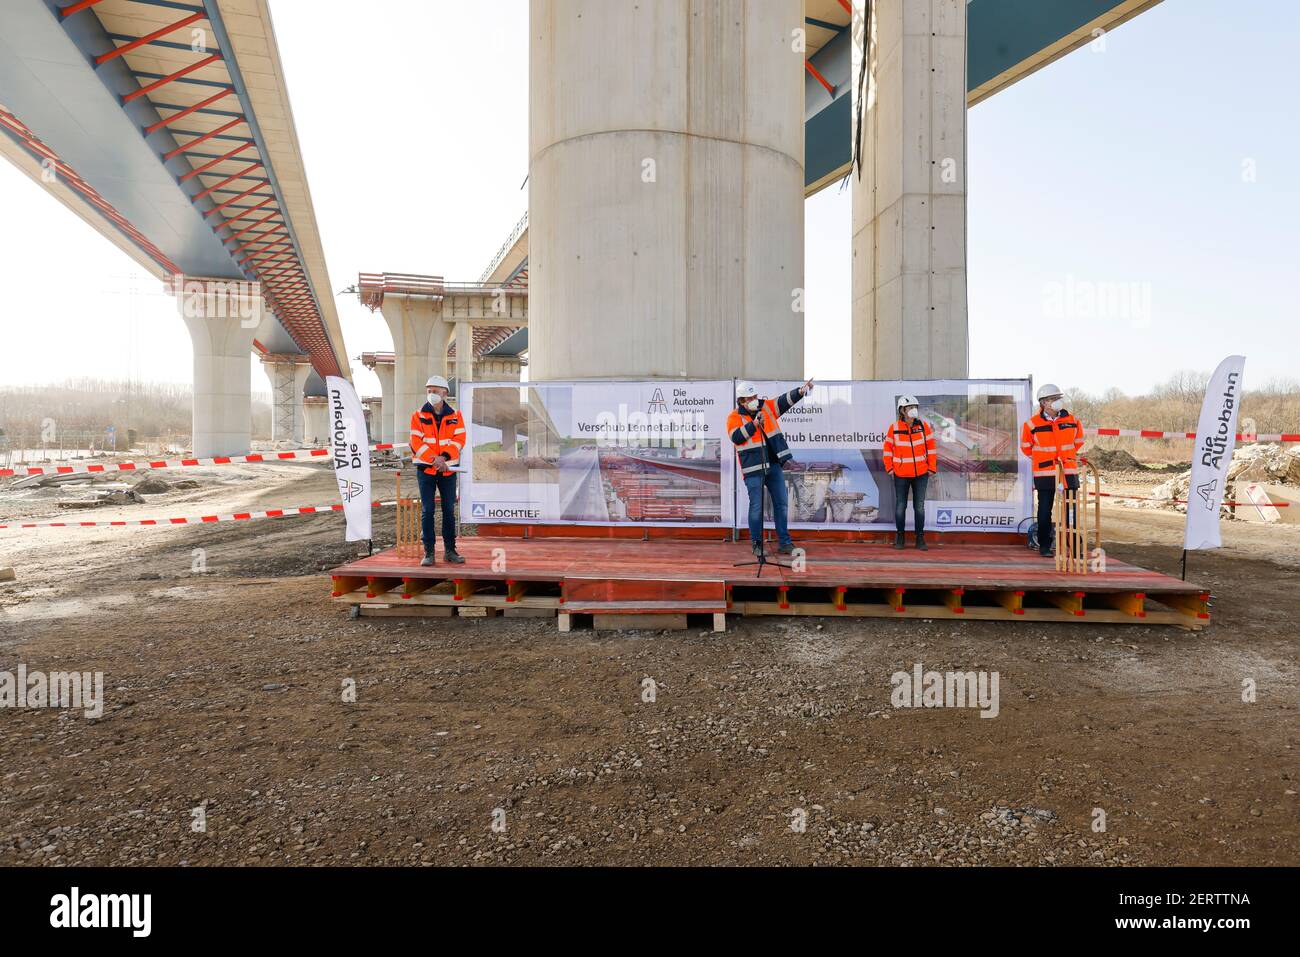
[(917, 486), (444, 487), (774, 482), (1045, 486)]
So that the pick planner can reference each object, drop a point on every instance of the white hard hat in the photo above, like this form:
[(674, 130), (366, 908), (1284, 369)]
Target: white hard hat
[(905, 400), (745, 389), (1048, 390), (438, 381)]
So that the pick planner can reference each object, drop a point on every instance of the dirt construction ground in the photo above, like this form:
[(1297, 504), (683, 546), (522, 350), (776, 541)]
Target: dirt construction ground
[(773, 743)]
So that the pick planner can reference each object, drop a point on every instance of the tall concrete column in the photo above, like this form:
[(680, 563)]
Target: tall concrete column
[(288, 374), (420, 341), (464, 355), (222, 317), (376, 420), (666, 200), (909, 203), (316, 422), (385, 371)]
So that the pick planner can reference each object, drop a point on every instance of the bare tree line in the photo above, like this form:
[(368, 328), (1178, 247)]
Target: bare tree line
[(88, 407)]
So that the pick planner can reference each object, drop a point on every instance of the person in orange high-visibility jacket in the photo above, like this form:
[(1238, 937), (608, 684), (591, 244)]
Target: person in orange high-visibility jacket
[(761, 451), (911, 457), (437, 439), (1051, 436)]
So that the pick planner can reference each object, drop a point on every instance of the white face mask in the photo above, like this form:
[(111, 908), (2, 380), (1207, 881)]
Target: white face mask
[(435, 400), (752, 405), (911, 412), (1057, 405)]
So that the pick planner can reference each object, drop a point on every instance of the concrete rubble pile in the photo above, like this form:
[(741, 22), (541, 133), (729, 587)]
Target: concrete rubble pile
[(1259, 463)]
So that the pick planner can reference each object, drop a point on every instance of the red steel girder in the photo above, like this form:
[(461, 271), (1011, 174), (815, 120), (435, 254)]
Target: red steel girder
[(149, 38), (206, 136), (167, 121), (211, 163), (235, 199), (77, 7), (183, 71), (229, 179)]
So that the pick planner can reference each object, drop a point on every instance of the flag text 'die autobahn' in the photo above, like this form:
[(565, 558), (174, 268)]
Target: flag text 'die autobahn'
[(1216, 437), (349, 446)]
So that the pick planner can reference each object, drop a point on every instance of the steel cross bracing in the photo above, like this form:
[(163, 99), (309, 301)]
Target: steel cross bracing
[(189, 80)]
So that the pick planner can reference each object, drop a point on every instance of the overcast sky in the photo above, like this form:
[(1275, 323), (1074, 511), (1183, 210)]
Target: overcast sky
[(1133, 210)]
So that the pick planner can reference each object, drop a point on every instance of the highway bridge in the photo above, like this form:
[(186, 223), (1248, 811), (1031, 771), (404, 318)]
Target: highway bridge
[(167, 127)]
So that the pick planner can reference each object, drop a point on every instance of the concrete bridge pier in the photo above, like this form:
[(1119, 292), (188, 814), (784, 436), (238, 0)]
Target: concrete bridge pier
[(909, 200), (666, 202), (222, 317), (420, 341), (288, 375), (316, 421), (385, 368)]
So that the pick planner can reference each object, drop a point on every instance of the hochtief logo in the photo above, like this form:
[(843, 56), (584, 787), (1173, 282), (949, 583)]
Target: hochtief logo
[(951, 517), (504, 511)]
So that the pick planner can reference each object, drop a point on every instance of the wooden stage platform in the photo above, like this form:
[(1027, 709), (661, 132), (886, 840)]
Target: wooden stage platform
[(657, 583)]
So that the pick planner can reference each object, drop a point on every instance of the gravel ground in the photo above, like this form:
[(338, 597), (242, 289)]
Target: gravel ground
[(503, 741)]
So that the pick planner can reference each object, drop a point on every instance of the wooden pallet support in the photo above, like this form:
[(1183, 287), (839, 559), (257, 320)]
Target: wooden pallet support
[(417, 586), (1194, 606), (345, 585), (1067, 601), (995, 579), (1012, 601), (1130, 603), (380, 586)]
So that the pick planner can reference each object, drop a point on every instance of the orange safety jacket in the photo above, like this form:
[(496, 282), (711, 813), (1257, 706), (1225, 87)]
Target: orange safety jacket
[(910, 449), (1047, 440), (745, 433), (431, 438)]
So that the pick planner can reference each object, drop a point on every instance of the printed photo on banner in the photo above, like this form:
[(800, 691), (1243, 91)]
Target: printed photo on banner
[(605, 453), (838, 476)]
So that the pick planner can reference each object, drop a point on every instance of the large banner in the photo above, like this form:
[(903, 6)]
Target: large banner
[(657, 453), (598, 453), (838, 479)]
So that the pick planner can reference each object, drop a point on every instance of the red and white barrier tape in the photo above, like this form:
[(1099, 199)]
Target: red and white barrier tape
[(1179, 501), (1153, 434), (253, 459), (198, 520)]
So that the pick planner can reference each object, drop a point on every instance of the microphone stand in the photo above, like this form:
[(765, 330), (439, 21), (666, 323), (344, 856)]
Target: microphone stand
[(760, 558)]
